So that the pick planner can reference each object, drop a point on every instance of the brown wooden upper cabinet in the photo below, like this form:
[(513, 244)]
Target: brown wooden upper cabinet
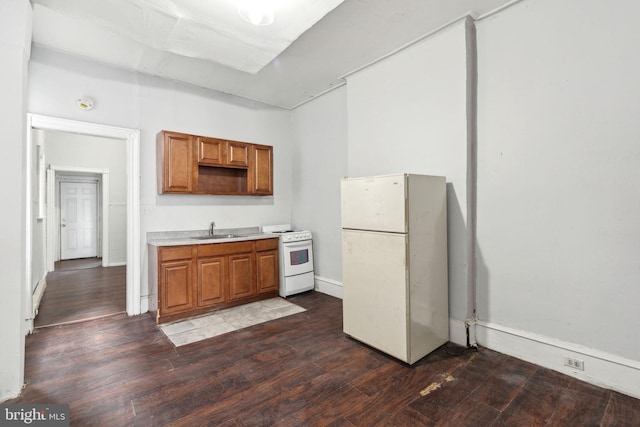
[(192, 164), (262, 176), (175, 163), (218, 152)]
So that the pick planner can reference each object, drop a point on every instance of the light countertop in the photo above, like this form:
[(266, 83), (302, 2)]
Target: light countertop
[(200, 237)]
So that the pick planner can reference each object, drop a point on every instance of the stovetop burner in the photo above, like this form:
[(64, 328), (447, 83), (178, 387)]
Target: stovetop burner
[(287, 233), (278, 229)]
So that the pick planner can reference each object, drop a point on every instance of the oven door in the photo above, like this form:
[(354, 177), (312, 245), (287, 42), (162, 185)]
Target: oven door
[(297, 258)]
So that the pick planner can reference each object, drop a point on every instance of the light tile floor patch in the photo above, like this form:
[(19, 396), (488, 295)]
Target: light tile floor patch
[(199, 328)]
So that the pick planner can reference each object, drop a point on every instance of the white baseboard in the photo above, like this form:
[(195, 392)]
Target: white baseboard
[(458, 332), (144, 304), (37, 295), (328, 286), (600, 368), (116, 264)]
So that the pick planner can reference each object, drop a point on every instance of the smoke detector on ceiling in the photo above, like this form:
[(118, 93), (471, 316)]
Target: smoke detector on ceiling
[(84, 103)]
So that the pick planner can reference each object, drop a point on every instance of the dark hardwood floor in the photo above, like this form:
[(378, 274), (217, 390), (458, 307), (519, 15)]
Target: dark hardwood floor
[(80, 290), (300, 370), (78, 264)]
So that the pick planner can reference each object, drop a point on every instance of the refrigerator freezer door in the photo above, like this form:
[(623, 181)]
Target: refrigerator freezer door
[(375, 306), (376, 204)]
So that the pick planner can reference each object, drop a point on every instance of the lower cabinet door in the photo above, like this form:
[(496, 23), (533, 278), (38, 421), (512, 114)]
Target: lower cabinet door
[(267, 274), (241, 276), (176, 284), (212, 276)]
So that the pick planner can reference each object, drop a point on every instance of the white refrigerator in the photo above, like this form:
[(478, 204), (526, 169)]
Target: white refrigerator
[(394, 263)]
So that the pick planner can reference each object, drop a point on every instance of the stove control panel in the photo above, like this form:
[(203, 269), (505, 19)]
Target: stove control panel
[(295, 236)]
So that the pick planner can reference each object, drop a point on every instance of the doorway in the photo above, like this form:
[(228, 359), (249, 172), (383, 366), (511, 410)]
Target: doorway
[(81, 284), (106, 209), (36, 184), (78, 225)]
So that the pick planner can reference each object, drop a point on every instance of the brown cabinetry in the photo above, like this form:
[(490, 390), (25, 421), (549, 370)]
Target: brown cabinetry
[(262, 170), (175, 163), (210, 151), (175, 280), (241, 276), (212, 275), (194, 164), (195, 279), (218, 152), (237, 154), (268, 278)]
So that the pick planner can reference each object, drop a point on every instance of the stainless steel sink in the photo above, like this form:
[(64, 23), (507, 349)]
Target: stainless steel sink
[(216, 236)]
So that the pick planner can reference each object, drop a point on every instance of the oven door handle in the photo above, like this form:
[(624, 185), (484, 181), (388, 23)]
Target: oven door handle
[(298, 244)]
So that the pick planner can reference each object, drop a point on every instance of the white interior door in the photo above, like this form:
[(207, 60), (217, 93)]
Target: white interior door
[(78, 220)]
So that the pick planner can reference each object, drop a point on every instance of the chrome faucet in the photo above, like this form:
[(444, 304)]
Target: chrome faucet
[(211, 227)]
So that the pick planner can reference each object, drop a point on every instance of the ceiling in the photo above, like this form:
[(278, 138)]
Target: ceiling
[(310, 46)]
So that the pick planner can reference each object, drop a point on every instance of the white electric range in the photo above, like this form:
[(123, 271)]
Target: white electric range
[(296, 259)]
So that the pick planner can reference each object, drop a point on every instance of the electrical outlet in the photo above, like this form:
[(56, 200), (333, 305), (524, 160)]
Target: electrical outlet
[(574, 363)]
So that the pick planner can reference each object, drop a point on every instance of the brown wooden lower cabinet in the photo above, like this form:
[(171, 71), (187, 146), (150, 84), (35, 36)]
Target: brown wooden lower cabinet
[(195, 279), (175, 280), (212, 275), (242, 281), (268, 277)]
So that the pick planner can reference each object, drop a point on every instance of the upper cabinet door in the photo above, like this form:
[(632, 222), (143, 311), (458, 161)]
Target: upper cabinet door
[(262, 174), (175, 159), (218, 152), (237, 154), (210, 151)]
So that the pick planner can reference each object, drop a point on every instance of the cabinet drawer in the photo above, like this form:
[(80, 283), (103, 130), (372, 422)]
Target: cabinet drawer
[(225, 248), (266, 244), (174, 253)]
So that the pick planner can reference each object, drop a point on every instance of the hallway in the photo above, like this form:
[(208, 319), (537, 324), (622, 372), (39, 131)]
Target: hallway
[(80, 290)]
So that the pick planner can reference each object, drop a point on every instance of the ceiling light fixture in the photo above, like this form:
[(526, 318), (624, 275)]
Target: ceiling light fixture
[(256, 12)]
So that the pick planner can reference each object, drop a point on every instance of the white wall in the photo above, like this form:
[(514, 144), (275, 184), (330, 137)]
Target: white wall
[(558, 177), (408, 113), (319, 134), (15, 40), (152, 104), (38, 225), (68, 149)]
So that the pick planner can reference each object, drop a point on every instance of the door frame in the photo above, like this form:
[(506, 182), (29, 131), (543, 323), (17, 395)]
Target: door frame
[(53, 235), (132, 138)]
